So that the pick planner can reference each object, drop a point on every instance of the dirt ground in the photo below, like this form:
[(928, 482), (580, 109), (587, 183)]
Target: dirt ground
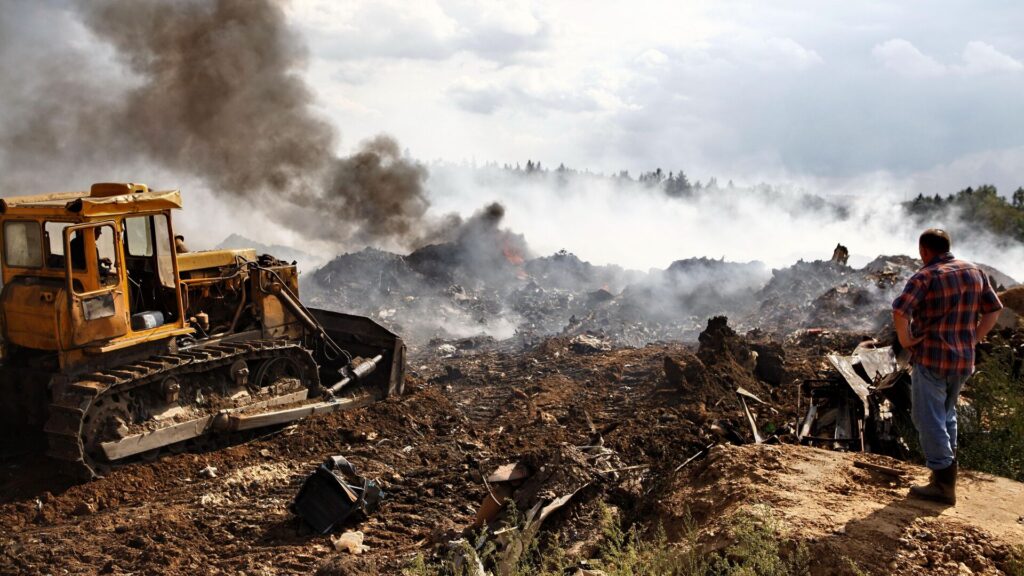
[(467, 413), (819, 497)]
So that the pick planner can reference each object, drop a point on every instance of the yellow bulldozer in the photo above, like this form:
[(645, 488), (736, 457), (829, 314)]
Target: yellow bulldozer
[(117, 345)]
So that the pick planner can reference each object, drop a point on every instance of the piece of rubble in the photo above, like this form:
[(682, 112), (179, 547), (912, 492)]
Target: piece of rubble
[(208, 472), (719, 342), (500, 485), (518, 539), (586, 344), (860, 402), (887, 470), (841, 255), (684, 370), (748, 394), (509, 473), (496, 497), (351, 542)]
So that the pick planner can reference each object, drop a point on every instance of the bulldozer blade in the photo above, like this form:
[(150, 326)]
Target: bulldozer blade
[(361, 336)]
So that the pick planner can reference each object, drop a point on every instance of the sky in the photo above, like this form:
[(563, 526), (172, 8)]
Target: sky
[(918, 95), (869, 101)]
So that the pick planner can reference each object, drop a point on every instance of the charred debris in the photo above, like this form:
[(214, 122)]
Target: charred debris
[(487, 288)]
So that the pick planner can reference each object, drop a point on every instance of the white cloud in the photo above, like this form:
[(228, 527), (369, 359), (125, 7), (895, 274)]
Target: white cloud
[(652, 58), (786, 53), (982, 58), (902, 57), (978, 57), (420, 29), (729, 88), (536, 92)]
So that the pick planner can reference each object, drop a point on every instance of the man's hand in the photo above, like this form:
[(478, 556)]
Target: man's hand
[(902, 324)]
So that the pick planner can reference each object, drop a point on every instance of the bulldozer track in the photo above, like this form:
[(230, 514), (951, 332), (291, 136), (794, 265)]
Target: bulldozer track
[(70, 409)]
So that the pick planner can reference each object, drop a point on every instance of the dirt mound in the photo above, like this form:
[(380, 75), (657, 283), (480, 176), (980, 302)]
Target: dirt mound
[(846, 513)]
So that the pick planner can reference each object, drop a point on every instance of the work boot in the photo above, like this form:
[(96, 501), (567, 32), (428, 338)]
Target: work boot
[(941, 487)]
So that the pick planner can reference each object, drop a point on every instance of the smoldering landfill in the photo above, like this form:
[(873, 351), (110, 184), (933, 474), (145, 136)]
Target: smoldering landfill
[(487, 288), (546, 398), (547, 403)]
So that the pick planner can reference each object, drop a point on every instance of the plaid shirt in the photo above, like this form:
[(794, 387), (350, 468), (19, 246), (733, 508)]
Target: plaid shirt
[(944, 300)]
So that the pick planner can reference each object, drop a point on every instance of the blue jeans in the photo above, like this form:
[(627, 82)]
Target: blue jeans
[(933, 398)]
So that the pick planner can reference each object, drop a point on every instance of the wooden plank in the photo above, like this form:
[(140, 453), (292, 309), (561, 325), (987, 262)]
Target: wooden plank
[(812, 414), (888, 471), (750, 418)]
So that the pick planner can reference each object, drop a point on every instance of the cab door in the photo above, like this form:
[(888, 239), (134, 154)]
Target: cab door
[(95, 282)]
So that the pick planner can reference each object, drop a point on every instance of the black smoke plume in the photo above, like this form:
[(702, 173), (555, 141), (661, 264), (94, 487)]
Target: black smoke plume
[(213, 89)]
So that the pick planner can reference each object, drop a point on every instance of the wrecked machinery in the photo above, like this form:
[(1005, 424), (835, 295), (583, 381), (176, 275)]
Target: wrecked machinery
[(116, 346), (861, 403)]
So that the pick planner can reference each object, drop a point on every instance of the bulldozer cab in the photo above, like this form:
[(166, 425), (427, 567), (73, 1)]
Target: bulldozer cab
[(90, 273)]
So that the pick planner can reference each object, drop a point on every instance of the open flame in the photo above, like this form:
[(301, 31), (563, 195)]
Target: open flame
[(511, 253), (513, 256)]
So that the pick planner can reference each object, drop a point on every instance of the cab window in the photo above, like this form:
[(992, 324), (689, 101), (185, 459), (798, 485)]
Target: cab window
[(23, 244), (53, 234), (99, 240), (139, 236)]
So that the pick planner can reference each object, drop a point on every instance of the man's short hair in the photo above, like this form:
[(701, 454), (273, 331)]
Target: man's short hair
[(936, 240)]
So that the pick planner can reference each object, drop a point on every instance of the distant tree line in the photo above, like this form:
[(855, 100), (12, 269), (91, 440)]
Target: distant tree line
[(982, 206), (675, 184)]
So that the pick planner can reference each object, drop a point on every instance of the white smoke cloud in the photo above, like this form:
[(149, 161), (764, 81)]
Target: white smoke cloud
[(629, 224)]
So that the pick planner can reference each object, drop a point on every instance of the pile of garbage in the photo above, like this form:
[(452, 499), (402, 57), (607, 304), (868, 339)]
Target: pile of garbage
[(486, 283)]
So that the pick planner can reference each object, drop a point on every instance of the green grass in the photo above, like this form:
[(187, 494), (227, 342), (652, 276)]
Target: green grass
[(992, 430), (1015, 563), (757, 549)]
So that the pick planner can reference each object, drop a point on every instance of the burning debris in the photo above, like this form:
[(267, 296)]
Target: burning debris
[(485, 282)]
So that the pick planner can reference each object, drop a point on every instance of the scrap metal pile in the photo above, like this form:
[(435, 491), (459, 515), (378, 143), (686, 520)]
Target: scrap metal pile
[(861, 402)]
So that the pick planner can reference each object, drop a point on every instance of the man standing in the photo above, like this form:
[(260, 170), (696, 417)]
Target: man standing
[(945, 309)]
